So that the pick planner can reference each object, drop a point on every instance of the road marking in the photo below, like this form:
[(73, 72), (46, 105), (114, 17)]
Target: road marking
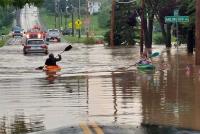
[(85, 128), (97, 129)]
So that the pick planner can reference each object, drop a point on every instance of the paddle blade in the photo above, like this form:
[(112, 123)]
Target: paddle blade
[(39, 68), (68, 48), (154, 54)]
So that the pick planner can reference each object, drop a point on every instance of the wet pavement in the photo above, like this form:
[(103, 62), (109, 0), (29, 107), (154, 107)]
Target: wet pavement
[(98, 85)]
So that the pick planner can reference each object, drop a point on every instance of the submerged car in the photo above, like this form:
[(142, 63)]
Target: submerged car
[(53, 34), (35, 46)]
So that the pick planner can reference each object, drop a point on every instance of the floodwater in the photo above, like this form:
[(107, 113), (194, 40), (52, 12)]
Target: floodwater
[(97, 84)]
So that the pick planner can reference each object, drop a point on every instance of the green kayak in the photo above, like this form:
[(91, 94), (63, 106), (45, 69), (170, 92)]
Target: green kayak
[(146, 66)]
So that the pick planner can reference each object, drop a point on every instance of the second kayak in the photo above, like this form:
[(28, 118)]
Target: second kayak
[(146, 66)]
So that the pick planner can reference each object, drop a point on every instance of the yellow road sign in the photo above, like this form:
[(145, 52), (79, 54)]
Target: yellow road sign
[(78, 24), (70, 25)]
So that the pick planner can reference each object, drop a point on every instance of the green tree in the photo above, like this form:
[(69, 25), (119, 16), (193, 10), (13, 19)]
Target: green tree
[(20, 3), (187, 8)]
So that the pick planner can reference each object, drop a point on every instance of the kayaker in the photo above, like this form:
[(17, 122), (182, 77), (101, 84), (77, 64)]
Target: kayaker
[(51, 61), (144, 59)]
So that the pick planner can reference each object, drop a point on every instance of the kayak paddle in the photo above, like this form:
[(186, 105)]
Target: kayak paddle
[(154, 54), (66, 49)]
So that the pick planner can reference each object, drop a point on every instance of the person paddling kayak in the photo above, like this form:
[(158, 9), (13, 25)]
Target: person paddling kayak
[(51, 61), (144, 60)]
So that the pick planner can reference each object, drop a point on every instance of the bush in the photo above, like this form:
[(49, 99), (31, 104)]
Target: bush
[(2, 42), (90, 40), (158, 38), (4, 30)]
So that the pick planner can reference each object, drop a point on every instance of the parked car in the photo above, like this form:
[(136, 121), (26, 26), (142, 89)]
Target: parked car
[(35, 46), (67, 32), (53, 34)]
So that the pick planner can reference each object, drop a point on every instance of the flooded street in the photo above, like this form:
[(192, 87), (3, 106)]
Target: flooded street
[(97, 84), (97, 89)]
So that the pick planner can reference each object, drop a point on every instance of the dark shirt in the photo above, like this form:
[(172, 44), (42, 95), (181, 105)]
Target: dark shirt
[(52, 61)]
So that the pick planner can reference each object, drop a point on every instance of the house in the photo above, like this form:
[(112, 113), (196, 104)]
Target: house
[(93, 6)]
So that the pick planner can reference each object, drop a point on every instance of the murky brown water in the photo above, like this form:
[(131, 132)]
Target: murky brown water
[(94, 86)]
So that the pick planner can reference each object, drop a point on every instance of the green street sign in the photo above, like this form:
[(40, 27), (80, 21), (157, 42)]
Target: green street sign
[(170, 19), (174, 19), (183, 19)]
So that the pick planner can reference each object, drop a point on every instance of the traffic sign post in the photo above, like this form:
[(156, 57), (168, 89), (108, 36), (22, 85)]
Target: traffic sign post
[(177, 19), (78, 24)]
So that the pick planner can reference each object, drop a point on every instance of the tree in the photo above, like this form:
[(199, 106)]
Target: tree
[(187, 8), (159, 9), (20, 3)]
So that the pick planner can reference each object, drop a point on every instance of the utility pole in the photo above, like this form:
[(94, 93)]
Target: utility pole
[(87, 32), (72, 20), (55, 9), (197, 40), (59, 19), (142, 28), (79, 13), (112, 24), (66, 12)]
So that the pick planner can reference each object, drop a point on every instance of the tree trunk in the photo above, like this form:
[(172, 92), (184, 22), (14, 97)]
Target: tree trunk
[(197, 39), (148, 29), (168, 36), (164, 33), (190, 41), (146, 32)]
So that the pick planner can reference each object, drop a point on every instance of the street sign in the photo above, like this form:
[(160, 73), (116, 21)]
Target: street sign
[(170, 18), (174, 19), (78, 24), (183, 19), (70, 24)]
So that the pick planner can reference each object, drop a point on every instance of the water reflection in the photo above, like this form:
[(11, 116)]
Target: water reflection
[(21, 124)]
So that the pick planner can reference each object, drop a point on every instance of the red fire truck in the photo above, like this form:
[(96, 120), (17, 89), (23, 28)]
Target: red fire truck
[(35, 32)]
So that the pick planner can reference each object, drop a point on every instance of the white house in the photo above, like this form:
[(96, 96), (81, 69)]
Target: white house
[(93, 6)]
